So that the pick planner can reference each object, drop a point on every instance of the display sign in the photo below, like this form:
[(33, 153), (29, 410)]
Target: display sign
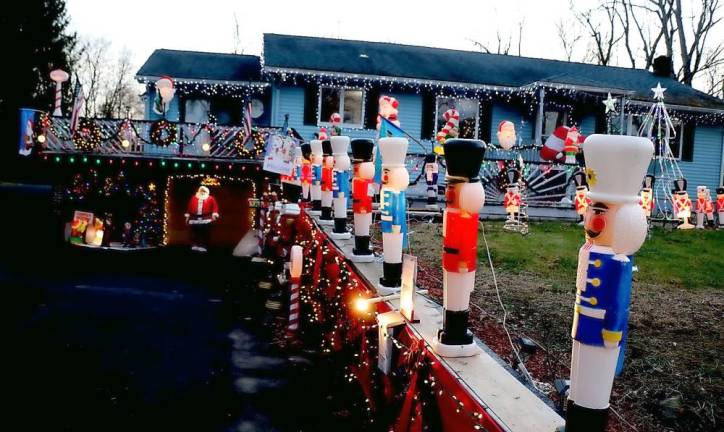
[(279, 155)]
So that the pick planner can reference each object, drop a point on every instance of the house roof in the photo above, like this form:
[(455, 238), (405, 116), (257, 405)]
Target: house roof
[(194, 65), (467, 67)]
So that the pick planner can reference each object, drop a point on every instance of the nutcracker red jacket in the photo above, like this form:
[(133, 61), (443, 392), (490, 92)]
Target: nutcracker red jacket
[(202, 208)]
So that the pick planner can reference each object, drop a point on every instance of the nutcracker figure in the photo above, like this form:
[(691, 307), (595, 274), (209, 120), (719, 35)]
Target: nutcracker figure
[(431, 170), (393, 212), (570, 145), (615, 227), (647, 195), (363, 170), (709, 208), (287, 218), (465, 197), (201, 212), (700, 206), (305, 171), (720, 205), (340, 194), (327, 183), (512, 199), (316, 187), (581, 200), (682, 203)]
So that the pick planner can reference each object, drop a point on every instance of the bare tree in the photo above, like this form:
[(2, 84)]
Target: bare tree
[(119, 98), (600, 25), (503, 43), (569, 35), (694, 55), (92, 67), (641, 35)]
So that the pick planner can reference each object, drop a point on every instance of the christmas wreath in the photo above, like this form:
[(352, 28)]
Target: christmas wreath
[(87, 136), (163, 133), (242, 138)]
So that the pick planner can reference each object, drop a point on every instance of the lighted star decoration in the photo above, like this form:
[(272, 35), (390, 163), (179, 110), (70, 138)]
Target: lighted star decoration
[(658, 92), (610, 103), (151, 187)]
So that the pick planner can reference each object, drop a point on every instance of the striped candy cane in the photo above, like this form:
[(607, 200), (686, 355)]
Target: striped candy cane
[(295, 273), (452, 119)]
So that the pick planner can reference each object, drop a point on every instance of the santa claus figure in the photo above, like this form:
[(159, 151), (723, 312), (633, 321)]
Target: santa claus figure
[(393, 211), (316, 186), (465, 197), (581, 200), (554, 147), (506, 135), (720, 205), (327, 183), (512, 199), (305, 171), (201, 212), (701, 206), (615, 227), (363, 170), (335, 120), (682, 203), (340, 192), (647, 195)]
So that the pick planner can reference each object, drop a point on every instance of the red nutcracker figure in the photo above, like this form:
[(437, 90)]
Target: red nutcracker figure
[(327, 183), (709, 208), (581, 200), (305, 171), (465, 197), (315, 190), (201, 212), (682, 203), (363, 171), (512, 199), (701, 201), (720, 205), (647, 195)]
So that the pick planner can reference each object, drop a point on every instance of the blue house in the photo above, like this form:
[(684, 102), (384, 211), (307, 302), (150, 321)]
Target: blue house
[(306, 79)]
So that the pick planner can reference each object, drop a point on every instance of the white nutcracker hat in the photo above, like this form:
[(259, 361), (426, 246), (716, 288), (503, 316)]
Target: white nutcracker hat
[(393, 151), (615, 166), (316, 147), (339, 144)]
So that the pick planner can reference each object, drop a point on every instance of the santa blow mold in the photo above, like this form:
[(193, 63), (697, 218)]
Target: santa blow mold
[(506, 135), (316, 186), (327, 183), (340, 192), (393, 211), (615, 226), (363, 170), (465, 197)]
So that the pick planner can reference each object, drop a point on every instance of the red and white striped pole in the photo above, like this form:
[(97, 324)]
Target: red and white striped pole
[(295, 272), (59, 76)]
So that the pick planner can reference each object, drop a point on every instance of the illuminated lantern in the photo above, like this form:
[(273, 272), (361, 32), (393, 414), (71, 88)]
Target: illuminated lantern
[(720, 205), (682, 203), (296, 261), (701, 201), (363, 170), (316, 187), (327, 183), (340, 194), (393, 211), (465, 197), (647, 195), (512, 199), (616, 227), (305, 171), (506, 135), (431, 170), (581, 200), (570, 145)]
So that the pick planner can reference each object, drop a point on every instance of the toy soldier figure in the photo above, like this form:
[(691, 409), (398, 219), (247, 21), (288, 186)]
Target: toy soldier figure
[(363, 170), (305, 171), (340, 194), (511, 199), (431, 170), (700, 206), (327, 183), (581, 200), (682, 204), (615, 227), (393, 212), (647, 195), (316, 187), (465, 197), (720, 205)]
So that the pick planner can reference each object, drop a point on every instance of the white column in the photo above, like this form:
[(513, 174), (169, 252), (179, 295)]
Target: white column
[(539, 118)]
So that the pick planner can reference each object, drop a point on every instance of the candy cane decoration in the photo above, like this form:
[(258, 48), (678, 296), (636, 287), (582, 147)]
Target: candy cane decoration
[(452, 119), (323, 134), (59, 76), (295, 272), (388, 109)]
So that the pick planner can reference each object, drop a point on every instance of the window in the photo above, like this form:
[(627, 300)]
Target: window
[(197, 111), (469, 110), (681, 141), (348, 102)]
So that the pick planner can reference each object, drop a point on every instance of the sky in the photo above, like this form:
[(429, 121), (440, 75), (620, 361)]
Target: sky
[(208, 25)]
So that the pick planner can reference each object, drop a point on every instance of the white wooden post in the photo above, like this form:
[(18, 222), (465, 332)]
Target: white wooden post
[(539, 118)]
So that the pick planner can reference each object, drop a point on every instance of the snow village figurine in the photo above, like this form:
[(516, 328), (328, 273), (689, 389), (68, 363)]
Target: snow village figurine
[(506, 135), (363, 170), (512, 199), (701, 201), (393, 212), (720, 205), (615, 227), (315, 190), (305, 171), (570, 145), (201, 212), (581, 200), (647, 195), (327, 183), (465, 197), (682, 203), (340, 193)]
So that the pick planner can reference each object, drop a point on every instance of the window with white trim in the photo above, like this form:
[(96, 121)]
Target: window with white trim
[(680, 142), (553, 119), (469, 110), (348, 102)]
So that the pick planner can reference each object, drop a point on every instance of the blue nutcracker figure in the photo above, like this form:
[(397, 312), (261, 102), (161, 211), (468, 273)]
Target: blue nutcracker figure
[(615, 227), (340, 187), (393, 210)]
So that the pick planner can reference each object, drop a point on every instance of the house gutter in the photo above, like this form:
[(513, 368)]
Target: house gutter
[(143, 79)]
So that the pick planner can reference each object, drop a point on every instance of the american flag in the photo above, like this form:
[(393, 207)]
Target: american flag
[(78, 101)]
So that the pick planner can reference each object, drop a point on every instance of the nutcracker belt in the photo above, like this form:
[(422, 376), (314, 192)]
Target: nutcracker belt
[(450, 250), (590, 312)]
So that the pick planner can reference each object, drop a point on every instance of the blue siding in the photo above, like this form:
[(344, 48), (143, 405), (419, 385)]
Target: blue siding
[(705, 169), (588, 125), (523, 125)]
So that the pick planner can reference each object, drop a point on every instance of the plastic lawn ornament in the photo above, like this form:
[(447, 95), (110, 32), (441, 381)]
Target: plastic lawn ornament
[(305, 171), (363, 170), (322, 135), (709, 208), (431, 170), (554, 147), (512, 199), (296, 261), (327, 183), (615, 227), (58, 76), (450, 129), (701, 201), (581, 200), (316, 186), (570, 145), (682, 203), (340, 193), (335, 120), (720, 205), (393, 211), (465, 197), (506, 135), (164, 94), (647, 195), (388, 109)]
